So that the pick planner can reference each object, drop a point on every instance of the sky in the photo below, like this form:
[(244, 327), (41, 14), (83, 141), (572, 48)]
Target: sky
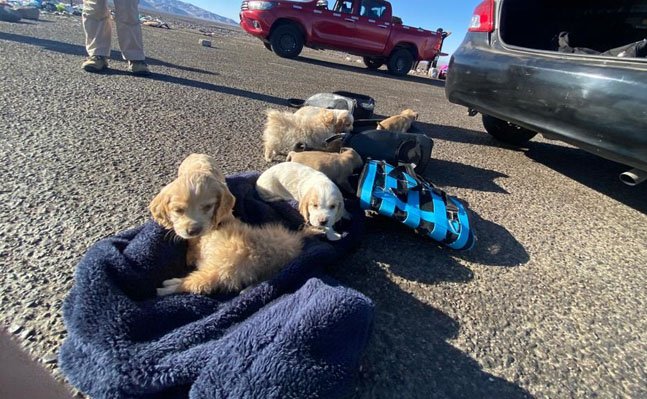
[(451, 15)]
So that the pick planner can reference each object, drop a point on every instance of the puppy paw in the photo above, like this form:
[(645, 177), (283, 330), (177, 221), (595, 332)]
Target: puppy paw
[(332, 235), (172, 281), (170, 286)]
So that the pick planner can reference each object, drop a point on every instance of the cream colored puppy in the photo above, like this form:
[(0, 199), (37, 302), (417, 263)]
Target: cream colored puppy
[(228, 254), (337, 166), (399, 123), (320, 202), (310, 126)]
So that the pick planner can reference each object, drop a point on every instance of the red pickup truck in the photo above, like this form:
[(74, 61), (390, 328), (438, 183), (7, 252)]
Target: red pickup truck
[(365, 28)]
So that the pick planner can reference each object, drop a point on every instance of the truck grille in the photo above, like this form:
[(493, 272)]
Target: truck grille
[(244, 6)]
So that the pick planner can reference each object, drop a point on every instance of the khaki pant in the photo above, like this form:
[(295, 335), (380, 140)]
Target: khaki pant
[(98, 30)]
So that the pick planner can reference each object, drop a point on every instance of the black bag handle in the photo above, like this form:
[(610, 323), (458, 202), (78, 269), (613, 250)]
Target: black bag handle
[(296, 102)]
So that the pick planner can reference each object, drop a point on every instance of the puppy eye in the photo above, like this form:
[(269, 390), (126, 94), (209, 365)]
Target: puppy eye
[(179, 211), (315, 206), (332, 206), (208, 207)]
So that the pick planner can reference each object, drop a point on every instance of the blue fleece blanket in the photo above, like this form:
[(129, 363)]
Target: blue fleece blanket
[(298, 335)]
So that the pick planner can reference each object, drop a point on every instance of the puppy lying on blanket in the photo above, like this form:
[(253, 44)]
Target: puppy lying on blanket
[(399, 123), (309, 126), (337, 166), (320, 202), (229, 254)]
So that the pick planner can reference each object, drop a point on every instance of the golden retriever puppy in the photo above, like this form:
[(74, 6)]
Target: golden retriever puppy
[(228, 254), (310, 126), (320, 202), (337, 166), (399, 123)]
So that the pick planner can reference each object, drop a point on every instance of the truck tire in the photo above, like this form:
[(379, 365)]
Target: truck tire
[(373, 62), (287, 41), (507, 132), (400, 62)]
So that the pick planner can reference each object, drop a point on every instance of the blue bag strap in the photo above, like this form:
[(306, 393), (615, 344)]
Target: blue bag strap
[(464, 233), (390, 183), (367, 182)]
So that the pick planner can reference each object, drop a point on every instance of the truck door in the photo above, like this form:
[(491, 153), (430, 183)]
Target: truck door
[(335, 25), (373, 26)]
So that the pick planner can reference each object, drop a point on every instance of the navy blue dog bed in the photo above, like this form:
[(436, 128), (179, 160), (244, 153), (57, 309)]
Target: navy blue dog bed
[(298, 335)]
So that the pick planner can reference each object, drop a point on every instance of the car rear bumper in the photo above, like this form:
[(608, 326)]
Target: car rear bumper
[(597, 104)]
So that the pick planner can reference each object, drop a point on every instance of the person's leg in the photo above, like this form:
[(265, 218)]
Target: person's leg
[(97, 27), (129, 30)]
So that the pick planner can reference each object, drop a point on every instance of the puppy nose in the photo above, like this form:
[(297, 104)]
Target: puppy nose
[(194, 230), (323, 221)]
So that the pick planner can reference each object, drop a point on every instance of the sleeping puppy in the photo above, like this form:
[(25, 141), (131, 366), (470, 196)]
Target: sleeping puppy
[(228, 254), (399, 123), (320, 202), (337, 166), (309, 126)]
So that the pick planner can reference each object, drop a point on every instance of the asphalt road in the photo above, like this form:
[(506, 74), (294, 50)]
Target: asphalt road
[(551, 303)]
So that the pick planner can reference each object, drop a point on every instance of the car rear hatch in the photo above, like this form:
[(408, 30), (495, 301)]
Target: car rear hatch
[(604, 28)]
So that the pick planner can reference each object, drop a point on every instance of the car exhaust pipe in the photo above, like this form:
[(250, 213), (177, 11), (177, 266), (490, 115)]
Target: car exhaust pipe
[(633, 177)]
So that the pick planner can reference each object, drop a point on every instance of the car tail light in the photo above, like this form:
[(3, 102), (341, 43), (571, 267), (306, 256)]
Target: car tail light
[(483, 18)]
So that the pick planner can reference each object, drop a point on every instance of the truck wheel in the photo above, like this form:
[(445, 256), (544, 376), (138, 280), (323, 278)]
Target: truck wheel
[(507, 132), (373, 63), (400, 62), (287, 41)]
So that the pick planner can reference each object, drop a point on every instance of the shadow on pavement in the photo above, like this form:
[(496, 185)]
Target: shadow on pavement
[(453, 174), (594, 172), (383, 73), (597, 173), (210, 86), (409, 355), (74, 49)]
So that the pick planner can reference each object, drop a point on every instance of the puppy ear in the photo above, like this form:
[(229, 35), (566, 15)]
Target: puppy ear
[(225, 206), (159, 208), (342, 121), (303, 205), (328, 117)]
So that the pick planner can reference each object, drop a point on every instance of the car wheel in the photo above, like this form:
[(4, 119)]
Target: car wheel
[(507, 132), (287, 41), (400, 62), (373, 63), (267, 46)]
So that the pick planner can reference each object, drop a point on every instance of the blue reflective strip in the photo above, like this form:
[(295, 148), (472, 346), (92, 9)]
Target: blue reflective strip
[(412, 207), (367, 186), (463, 236), (388, 207), (438, 217)]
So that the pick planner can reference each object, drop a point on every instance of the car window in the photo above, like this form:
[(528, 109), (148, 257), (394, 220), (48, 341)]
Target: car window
[(371, 9), (344, 6)]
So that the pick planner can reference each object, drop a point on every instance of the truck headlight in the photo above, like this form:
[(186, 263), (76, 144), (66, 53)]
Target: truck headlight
[(260, 5)]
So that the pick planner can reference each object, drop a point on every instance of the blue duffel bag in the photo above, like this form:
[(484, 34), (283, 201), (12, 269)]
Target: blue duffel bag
[(399, 193)]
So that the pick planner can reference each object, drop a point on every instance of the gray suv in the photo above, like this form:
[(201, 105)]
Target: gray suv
[(572, 70)]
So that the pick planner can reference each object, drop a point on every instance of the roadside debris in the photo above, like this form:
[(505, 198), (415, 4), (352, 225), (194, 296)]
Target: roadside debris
[(205, 43), (153, 22), (7, 15)]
